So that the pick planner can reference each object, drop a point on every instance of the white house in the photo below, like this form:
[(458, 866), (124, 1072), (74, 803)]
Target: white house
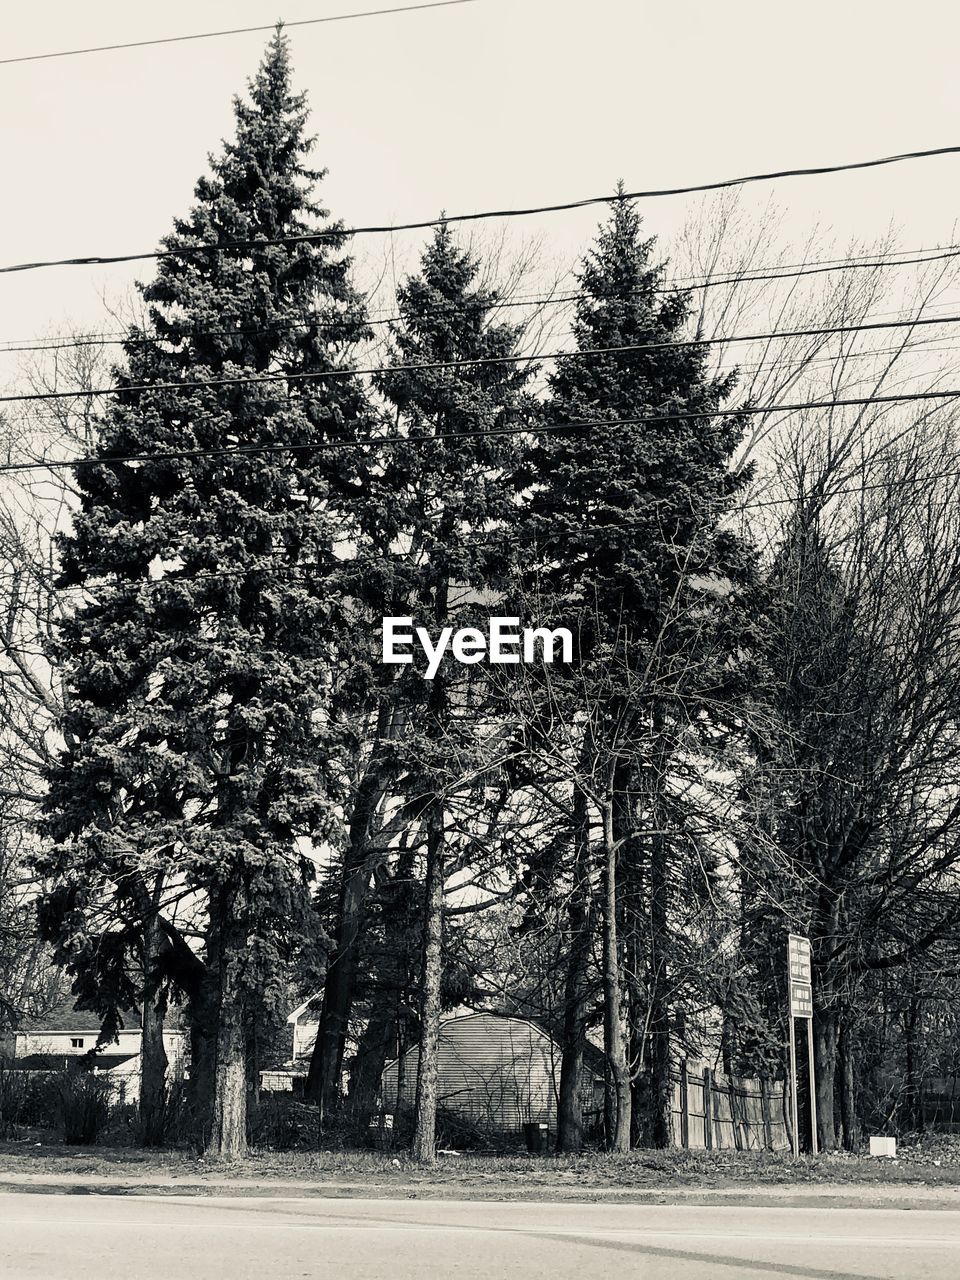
[(304, 1023), (59, 1038)]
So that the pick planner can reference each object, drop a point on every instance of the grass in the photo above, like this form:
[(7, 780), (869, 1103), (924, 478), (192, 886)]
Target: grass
[(932, 1163)]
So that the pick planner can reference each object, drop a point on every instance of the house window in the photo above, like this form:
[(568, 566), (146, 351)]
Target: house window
[(76, 1043)]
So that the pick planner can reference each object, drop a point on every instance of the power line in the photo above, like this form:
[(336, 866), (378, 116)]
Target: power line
[(387, 228), (235, 31), (554, 428), (477, 362), (555, 299), (878, 258), (930, 346), (852, 265), (175, 578)]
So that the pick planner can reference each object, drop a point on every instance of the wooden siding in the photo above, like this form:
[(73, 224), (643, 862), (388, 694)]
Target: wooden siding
[(496, 1071)]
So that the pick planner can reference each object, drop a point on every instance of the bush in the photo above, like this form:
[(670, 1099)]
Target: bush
[(279, 1122), (456, 1133), (81, 1105), (174, 1123), (23, 1100)]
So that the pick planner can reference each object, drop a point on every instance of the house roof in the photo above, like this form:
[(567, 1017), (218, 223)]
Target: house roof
[(65, 1016), (313, 1004), (593, 1058)]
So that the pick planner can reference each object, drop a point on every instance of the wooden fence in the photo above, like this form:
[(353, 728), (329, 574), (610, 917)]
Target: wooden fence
[(713, 1112)]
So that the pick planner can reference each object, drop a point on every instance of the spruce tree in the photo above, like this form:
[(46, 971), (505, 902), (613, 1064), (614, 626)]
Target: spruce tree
[(442, 519), (625, 543), (194, 764)]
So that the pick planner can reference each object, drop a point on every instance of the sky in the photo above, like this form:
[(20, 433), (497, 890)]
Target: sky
[(490, 104)]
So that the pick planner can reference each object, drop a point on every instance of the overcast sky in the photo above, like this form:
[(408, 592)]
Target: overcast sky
[(496, 103)]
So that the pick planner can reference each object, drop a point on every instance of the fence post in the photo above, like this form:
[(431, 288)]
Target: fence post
[(708, 1108), (765, 1112), (684, 1106)]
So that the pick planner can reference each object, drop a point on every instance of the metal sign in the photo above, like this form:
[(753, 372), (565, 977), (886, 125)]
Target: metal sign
[(799, 976), (800, 1005), (798, 959), (801, 1000)]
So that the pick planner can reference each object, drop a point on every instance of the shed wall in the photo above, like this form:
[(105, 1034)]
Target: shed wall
[(498, 1072)]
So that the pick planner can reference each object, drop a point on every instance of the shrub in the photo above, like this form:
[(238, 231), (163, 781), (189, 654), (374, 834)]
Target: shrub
[(23, 1100), (279, 1122), (457, 1133), (81, 1104), (174, 1123)]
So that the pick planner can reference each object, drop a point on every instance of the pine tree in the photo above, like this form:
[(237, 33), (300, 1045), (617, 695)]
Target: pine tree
[(625, 543), (443, 509), (194, 761)]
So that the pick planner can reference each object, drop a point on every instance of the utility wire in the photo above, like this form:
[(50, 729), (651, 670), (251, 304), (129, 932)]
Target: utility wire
[(549, 428), (556, 299), (478, 361), (235, 31), (929, 346), (615, 197), (175, 578)]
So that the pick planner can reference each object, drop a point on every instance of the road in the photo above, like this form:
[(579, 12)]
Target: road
[(104, 1237)]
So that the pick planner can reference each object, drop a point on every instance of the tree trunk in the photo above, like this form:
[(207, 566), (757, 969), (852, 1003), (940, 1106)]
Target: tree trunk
[(848, 1101), (825, 1063), (638, 1047), (378, 1036), (573, 1035), (392, 965), (253, 1059), (618, 1094), (326, 1062), (828, 980), (425, 1111), (660, 1083), (913, 1076), (153, 1072), (661, 943), (401, 1064), (228, 1137), (204, 1013), (153, 1055)]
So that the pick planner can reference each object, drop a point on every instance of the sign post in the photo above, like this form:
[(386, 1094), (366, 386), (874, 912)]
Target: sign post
[(800, 1001), (794, 1120)]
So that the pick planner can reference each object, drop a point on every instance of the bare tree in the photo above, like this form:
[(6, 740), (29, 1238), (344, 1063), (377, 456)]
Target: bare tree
[(865, 783)]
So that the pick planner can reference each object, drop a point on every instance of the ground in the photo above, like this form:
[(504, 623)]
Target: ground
[(927, 1172)]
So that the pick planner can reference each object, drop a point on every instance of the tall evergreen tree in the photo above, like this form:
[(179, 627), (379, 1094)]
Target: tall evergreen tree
[(625, 542), (444, 513), (193, 769)]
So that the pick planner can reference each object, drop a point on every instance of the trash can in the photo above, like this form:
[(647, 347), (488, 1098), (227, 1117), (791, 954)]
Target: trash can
[(380, 1132), (535, 1136)]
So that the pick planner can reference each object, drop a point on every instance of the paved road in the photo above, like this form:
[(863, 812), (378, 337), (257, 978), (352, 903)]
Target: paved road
[(56, 1237)]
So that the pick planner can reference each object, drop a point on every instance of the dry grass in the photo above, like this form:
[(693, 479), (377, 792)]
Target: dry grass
[(933, 1163)]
